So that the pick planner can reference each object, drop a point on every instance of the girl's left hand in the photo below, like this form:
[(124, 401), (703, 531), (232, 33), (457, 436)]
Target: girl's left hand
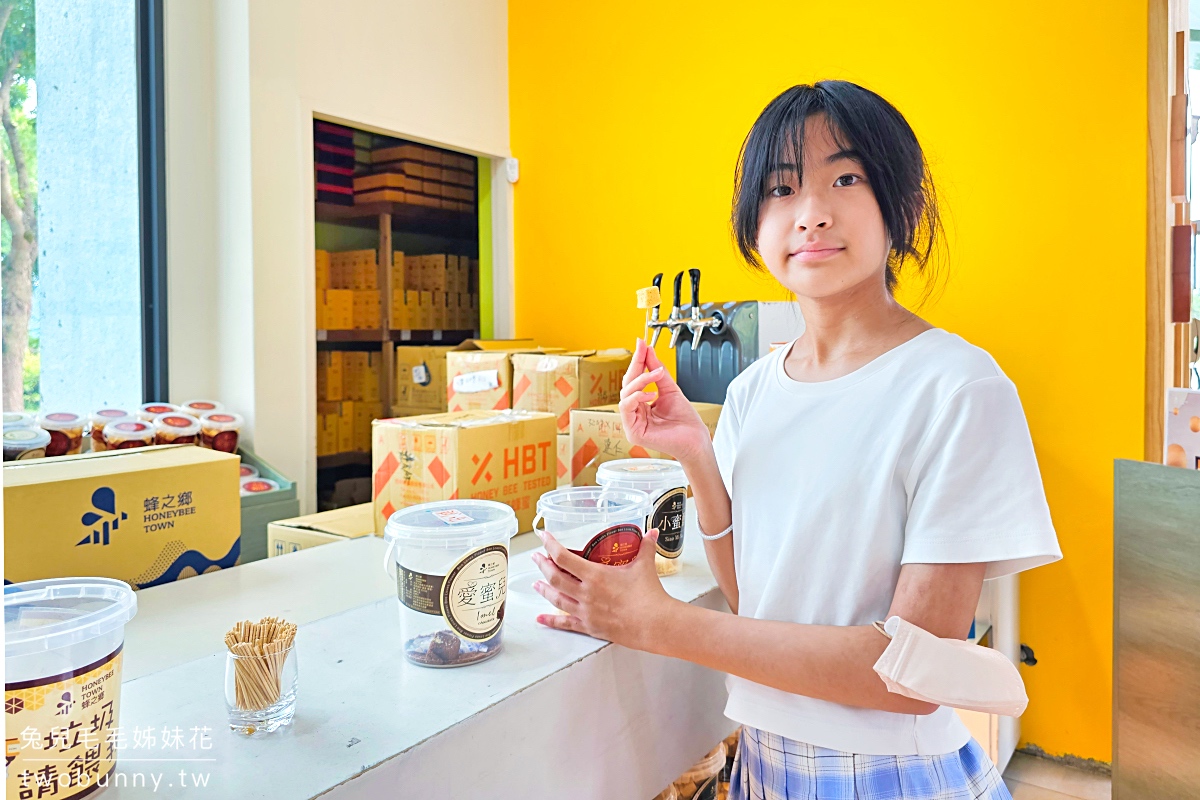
[(618, 604)]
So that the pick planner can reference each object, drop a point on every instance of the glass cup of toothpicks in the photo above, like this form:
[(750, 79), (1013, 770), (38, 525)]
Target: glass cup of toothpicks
[(260, 675)]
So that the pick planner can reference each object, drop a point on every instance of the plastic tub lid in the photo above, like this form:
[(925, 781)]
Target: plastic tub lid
[(257, 485), (61, 421), (179, 424), (18, 419), (148, 411), (58, 612), (584, 504), (106, 415), (198, 407), (25, 438), (221, 420), (450, 523), (126, 430), (641, 473)]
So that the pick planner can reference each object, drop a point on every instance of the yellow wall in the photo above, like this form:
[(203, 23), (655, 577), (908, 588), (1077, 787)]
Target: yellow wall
[(627, 116)]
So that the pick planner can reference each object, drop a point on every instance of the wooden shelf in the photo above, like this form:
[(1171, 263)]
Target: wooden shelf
[(398, 336), (375, 335), (343, 460), (417, 219)]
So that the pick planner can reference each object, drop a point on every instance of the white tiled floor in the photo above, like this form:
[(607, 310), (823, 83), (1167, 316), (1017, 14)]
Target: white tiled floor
[(1032, 778)]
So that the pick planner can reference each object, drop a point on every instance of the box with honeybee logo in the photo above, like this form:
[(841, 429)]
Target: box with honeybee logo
[(146, 516)]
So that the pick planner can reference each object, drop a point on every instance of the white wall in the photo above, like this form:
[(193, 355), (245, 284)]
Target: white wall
[(240, 185)]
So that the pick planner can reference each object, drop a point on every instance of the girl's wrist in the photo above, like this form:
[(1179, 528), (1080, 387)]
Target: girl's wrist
[(652, 632)]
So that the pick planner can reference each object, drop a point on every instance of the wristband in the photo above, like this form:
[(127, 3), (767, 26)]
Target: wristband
[(720, 535)]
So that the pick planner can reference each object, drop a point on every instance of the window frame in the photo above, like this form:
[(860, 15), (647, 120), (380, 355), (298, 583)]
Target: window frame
[(152, 189)]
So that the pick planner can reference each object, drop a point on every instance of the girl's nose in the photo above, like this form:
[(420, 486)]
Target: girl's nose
[(813, 215)]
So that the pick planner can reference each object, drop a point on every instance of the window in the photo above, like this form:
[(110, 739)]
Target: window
[(80, 198)]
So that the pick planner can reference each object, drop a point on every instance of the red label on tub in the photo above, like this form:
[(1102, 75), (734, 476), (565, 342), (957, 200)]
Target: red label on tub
[(615, 546)]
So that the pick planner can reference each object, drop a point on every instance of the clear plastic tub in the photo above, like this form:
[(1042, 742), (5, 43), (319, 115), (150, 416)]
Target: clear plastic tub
[(701, 781), (126, 433), (62, 660), (451, 569), (22, 443), (19, 419), (176, 428), (604, 525), (198, 408), (668, 793), (100, 420), (220, 430), (247, 471), (667, 485), (148, 411), (66, 432), (257, 485)]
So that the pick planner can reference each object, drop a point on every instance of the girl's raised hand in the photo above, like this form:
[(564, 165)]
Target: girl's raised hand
[(662, 420)]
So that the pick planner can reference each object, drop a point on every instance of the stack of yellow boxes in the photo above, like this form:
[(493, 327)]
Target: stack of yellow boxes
[(347, 290), (433, 292), (347, 400)]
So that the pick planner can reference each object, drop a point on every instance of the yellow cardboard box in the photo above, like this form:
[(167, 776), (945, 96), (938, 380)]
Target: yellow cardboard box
[(366, 309), (558, 383), (339, 309), (327, 434), (564, 459), (321, 268), (598, 436), (421, 377), (146, 516), (330, 374), (345, 440), (300, 533), (479, 373), (507, 456)]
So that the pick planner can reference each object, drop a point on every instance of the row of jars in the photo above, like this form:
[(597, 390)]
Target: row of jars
[(57, 433)]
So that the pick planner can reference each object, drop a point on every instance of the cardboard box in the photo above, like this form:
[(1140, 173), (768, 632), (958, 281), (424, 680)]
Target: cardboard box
[(598, 436), (327, 434), (558, 383), (439, 320), (364, 415), (345, 440), (299, 533), (373, 377), (506, 456), (1182, 445), (424, 317), (339, 309), (399, 274), (564, 459), (421, 377), (479, 373), (322, 270), (366, 309), (330, 374), (146, 516)]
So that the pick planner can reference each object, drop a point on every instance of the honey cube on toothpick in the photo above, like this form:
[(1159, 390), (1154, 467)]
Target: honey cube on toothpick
[(648, 297)]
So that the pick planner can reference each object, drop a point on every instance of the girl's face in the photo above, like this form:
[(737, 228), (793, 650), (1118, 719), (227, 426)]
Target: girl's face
[(826, 236)]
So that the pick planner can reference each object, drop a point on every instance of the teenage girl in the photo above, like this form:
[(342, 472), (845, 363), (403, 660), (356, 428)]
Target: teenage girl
[(876, 466)]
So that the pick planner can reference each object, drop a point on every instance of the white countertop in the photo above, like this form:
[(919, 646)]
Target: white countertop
[(554, 715)]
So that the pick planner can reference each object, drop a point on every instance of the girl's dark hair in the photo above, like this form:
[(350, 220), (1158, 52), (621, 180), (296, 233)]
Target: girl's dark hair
[(880, 137)]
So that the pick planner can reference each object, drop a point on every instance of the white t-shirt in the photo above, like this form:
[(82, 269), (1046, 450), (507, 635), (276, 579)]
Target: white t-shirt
[(921, 456)]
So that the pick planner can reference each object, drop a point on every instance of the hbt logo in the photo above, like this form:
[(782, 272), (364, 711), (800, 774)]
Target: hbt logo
[(104, 500), (518, 461)]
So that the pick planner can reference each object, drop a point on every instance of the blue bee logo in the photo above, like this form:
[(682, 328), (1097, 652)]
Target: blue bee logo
[(103, 500)]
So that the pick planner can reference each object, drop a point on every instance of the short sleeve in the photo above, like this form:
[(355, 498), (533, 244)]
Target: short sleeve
[(974, 490), (725, 441)]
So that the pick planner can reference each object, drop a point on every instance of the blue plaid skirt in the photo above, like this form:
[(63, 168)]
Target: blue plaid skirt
[(770, 767)]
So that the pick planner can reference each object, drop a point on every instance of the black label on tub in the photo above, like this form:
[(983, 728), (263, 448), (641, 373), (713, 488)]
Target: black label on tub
[(419, 591), (667, 516)]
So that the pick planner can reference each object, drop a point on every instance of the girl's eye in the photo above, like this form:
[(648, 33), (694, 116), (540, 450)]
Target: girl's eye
[(847, 180), (783, 190)]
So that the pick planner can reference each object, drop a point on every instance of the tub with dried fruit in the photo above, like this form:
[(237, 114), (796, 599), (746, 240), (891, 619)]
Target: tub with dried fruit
[(667, 486), (450, 561)]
